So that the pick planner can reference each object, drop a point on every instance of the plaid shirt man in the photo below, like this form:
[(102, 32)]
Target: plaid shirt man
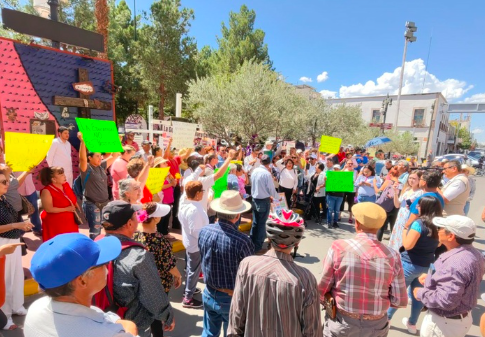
[(222, 248), (364, 276)]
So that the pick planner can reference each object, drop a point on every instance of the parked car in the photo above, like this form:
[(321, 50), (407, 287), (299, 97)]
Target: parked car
[(476, 153), (462, 158)]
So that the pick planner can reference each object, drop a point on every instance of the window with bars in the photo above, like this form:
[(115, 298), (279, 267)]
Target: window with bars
[(376, 115), (418, 117)]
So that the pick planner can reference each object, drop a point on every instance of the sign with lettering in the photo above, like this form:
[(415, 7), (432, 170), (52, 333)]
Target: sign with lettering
[(329, 144), (24, 151), (85, 88), (183, 135), (99, 135), (156, 179)]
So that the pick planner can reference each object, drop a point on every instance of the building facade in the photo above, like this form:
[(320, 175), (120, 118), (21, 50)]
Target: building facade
[(424, 115)]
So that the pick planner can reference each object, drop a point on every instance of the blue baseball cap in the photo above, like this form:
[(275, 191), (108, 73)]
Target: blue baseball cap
[(67, 256)]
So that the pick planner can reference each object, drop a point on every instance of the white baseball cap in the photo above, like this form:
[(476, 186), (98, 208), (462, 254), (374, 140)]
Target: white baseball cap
[(299, 151), (460, 225)]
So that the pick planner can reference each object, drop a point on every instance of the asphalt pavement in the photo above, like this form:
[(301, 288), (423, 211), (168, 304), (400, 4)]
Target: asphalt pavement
[(312, 251)]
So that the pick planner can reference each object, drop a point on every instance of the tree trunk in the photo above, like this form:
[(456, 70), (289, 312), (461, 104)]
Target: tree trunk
[(161, 112), (101, 13)]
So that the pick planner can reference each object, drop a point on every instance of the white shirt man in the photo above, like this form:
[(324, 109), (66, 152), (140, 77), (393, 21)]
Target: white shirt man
[(252, 161), (60, 153), (193, 217)]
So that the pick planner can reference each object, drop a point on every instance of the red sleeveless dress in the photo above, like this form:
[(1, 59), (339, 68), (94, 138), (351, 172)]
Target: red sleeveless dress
[(59, 223)]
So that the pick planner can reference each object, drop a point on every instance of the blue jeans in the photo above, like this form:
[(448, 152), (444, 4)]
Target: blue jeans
[(216, 312), (467, 208), (411, 274), (366, 198), (93, 216), (333, 208), (261, 208), (34, 218)]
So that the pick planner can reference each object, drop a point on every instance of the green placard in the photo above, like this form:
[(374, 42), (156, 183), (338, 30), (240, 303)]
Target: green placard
[(220, 184), (99, 136), (338, 181)]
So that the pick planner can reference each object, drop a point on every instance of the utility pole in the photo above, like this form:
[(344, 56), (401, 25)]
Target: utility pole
[(385, 104), (54, 6), (408, 37)]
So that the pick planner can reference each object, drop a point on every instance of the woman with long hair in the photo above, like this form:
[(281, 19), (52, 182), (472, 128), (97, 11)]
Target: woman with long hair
[(410, 192), (317, 187), (349, 197), (288, 179), (419, 243), (59, 203), (385, 198), (11, 229), (365, 184)]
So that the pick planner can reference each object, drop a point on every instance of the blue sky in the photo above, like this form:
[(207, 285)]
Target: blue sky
[(357, 41)]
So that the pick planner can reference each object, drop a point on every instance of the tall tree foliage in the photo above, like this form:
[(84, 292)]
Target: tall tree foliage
[(121, 51), (166, 53), (251, 101), (239, 42)]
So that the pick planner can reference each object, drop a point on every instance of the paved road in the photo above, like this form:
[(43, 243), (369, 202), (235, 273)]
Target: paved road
[(313, 250)]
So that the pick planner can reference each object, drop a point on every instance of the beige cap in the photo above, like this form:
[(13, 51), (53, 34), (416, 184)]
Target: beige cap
[(369, 214)]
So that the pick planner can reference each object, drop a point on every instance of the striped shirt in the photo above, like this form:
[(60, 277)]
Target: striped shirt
[(274, 298), (454, 288), (222, 247), (364, 276)]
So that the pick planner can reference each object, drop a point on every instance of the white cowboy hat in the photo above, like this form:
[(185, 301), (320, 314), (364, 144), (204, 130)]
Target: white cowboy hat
[(230, 202), (470, 169)]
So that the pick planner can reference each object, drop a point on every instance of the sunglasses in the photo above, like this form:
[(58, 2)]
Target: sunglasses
[(5, 182)]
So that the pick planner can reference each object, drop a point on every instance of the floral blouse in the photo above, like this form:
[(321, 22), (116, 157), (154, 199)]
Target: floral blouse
[(161, 249)]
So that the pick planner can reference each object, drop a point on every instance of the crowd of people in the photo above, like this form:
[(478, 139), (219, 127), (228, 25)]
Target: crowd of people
[(116, 282)]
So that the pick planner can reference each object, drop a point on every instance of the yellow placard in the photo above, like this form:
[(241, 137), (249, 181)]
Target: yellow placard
[(372, 152), (156, 179), (237, 162), (329, 144), (24, 150)]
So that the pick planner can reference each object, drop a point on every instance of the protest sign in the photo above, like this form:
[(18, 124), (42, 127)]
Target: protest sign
[(156, 179), (329, 144), (99, 135), (289, 145), (220, 184), (269, 153), (339, 181), (24, 150), (183, 135), (279, 204), (372, 152)]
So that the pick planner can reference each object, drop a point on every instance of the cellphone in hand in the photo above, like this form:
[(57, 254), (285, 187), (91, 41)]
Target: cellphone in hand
[(408, 202)]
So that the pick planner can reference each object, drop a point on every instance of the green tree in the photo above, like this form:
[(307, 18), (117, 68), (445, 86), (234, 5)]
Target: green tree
[(121, 46), (165, 53), (251, 101), (239, 42)]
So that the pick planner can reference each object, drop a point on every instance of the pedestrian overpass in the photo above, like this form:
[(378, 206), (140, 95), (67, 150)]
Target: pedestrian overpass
[(466, 108)]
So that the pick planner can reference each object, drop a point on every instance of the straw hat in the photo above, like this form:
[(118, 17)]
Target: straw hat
[(369, 214), (230, 202), (470, 169), (159, 161)]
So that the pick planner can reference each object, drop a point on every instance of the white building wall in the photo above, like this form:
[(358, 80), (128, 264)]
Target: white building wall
[(434, 105)]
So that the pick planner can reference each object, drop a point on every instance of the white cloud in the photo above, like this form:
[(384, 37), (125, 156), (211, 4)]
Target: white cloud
[(328, 94), (322, 77), (477, 131), (414, 74), (305, 79), (477, 98)]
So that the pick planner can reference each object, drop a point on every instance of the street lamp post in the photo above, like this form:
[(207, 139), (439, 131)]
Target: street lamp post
[(385, 104), (408, 37)]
